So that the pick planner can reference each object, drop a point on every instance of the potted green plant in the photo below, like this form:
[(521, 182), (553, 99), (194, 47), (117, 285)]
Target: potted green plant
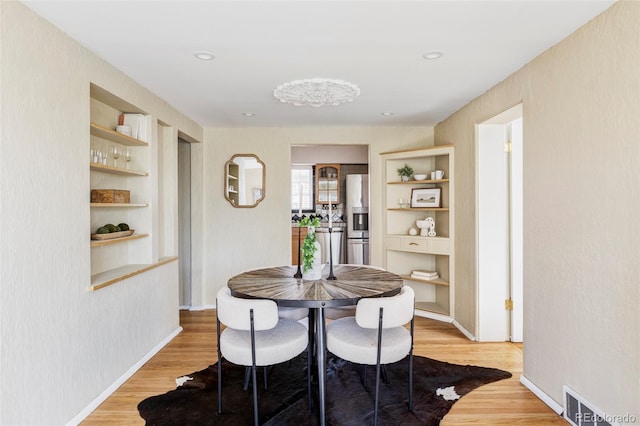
[(405, 172), (311, 266)]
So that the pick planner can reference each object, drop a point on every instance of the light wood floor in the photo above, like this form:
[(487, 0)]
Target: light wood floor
[(506, 402)]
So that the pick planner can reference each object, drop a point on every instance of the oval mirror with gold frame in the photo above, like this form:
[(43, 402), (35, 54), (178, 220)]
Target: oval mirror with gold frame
[(244, 180)]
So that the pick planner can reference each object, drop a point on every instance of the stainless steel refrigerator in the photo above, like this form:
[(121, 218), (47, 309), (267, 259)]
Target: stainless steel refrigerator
[(357, 214)]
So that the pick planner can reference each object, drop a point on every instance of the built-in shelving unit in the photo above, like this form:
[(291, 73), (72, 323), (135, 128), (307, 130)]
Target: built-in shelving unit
[(405, 253), (114, 260)]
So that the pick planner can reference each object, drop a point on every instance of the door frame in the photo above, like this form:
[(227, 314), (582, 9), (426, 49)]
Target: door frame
[(493, 321)]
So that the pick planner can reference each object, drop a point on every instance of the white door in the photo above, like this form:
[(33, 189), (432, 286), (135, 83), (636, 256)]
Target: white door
[(493, 235), (499, 224)]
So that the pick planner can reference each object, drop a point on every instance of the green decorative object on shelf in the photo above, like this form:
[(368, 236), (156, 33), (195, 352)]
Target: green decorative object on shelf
[(310, 244), (405, 172)]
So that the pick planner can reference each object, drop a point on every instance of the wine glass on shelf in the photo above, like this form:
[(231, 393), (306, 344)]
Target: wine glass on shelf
[(115, 153), (127, 157)]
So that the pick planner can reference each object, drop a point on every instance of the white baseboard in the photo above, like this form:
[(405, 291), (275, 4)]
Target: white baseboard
[(111, 389), (464, 331), (558, 408)]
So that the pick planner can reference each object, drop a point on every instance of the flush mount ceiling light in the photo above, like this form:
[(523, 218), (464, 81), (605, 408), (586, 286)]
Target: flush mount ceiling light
[(316, 92), (248, 114), (434, 54), (387, 113), (205, 56)]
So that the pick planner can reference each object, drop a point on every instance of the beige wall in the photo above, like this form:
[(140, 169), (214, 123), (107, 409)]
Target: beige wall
[(61, 345), (581, 102), (235, 240)]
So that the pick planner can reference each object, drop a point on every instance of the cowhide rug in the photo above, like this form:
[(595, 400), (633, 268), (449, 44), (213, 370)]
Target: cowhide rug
[(436, 387)]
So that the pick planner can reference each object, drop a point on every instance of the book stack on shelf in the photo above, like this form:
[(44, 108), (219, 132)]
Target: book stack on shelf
[(422, 274)]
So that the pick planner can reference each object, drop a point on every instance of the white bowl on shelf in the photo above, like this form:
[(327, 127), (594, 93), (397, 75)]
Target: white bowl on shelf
[(420, 177)]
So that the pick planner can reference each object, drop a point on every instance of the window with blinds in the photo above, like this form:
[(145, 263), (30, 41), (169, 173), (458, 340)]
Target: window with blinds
[(302, 188)]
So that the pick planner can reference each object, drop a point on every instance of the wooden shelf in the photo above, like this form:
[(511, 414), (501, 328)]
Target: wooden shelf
[(435, 209), (418, 182), (99, 243), (126, 205), (95, 167), (113, 276), (431, 307), (113, 136), (437, 281)]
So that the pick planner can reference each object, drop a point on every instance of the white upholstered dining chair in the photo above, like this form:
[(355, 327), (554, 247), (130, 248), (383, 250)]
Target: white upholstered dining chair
[(377, 335), (254, 336)]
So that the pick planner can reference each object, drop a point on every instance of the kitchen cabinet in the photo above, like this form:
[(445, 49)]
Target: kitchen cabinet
[(327, 183)]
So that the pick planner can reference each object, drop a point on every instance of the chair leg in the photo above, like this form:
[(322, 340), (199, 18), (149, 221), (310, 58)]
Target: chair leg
[(265, 377), (253, 369), (219, 369), (375, 409), (411, 367), (411, 381), (385, 378), (309, 355), (378, 358), (255, 395), (364, 375), (247, 377)]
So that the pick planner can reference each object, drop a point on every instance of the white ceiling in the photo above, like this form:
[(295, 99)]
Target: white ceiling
[(377, 45)]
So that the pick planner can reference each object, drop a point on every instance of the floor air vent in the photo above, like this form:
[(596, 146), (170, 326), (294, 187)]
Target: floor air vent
[(579, 412)]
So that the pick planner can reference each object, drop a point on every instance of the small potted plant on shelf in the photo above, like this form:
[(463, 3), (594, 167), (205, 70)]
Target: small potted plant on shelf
[(311, 266), (405, 172)]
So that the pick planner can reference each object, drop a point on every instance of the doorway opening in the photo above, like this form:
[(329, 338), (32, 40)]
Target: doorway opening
[(500, 227), (184, 223), (327, 166)]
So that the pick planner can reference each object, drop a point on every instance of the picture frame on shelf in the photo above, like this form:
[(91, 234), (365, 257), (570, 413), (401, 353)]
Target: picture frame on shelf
[(425, 197)]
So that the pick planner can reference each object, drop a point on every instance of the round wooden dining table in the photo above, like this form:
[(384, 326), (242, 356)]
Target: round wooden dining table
[(351, 283)]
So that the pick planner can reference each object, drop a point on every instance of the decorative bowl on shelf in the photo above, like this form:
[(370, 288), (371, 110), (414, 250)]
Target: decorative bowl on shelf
[(420, 177)]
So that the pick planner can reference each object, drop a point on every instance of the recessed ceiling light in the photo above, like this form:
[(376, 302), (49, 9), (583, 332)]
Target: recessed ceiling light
[(205, 56), (434, 54), (387, 113), (248, 114)]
